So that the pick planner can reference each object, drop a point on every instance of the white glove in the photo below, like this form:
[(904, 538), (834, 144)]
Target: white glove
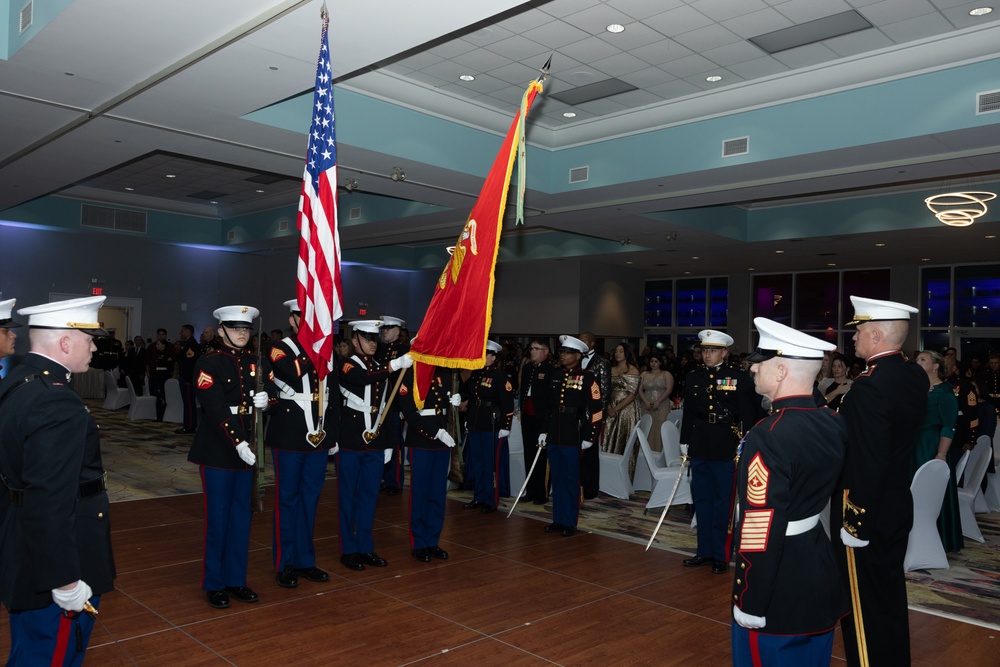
[(73, 599), (541, 439), (445, 437), (586, 444), (334, 450), (684, 450), (388, 455), (260, 400), (456, 399), (243, 449), (503, 433), (851, 541), (748, 621), (404, 361)]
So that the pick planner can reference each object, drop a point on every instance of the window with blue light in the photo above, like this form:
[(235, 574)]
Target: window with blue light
[(691, 300), (977, 296), (718, 302), (935, 298), (659, 301)]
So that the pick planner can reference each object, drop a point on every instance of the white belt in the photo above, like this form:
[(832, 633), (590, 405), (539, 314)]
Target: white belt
[(801, 526), (430, 412), (235, 409)]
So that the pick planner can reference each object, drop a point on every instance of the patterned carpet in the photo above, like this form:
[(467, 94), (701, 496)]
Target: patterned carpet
[(147, 459)]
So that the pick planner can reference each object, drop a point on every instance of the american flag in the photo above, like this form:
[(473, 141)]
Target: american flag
[(319, 292)]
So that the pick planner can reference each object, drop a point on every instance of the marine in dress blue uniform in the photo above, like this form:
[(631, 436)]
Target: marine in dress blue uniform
[(300, 441), (7, 326), (221, 449), (363, 447), (490, 410), (719, 406), (787, 591), (428, 443), (188, 351), (392, 347), (574, 417), (535, 397), (55, 541), (872, 506)]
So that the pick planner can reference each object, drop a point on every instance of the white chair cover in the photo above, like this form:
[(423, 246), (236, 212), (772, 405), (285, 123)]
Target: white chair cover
[(515, 442), (671, 439), (980, 506), (615, 479), (960, 466), (175, 402), (665, 477), (642, 480), (114, 397), (974, 472), (140, 407), (924, 550)]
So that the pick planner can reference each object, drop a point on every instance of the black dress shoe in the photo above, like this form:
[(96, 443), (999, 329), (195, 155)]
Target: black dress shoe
[(392, 491), (352, 561), (487, 509), (437, 552), (697, 561), (718, 567), (475, 504), (373, 559), (538, 501), (553, 528), (312, 573), (218, 599), (422, 555), (181, 431), (567, 531), (242, 593), (287, 578)]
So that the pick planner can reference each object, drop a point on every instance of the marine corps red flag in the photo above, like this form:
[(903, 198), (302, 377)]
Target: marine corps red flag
[(454, 331)]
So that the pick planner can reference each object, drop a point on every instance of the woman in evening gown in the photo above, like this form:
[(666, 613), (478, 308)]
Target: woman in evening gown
[(654, 397), (623, 410)]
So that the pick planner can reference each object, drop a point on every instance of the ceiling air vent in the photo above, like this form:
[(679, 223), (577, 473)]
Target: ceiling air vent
[(26, 16), (354, 213), (579, 174), (282, 225), (988, 102), (738, 146), (104, 217), (231, 235)]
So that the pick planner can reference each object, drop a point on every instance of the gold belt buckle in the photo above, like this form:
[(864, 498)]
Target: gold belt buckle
[(711, 417), (369, 435), (243, 410), (315, 397)]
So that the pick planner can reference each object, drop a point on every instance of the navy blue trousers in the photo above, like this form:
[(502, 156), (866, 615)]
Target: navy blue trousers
[(298, 481), (712, 486), (227, 527), (482, 452), (752, 648), (428, 489), (565, 465), (358, 476), (48, 636)]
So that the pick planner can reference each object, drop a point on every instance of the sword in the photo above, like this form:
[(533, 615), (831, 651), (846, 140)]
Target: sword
[(670, 500), (524, 486)]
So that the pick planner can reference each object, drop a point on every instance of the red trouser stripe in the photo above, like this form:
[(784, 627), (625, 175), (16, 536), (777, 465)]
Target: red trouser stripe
[(62, 640), (755, 648)]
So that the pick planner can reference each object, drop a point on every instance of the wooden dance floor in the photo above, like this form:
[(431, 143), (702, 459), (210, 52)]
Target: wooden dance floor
[(509, 595)]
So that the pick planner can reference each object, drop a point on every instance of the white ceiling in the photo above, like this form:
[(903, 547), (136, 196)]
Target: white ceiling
[(108, 90)]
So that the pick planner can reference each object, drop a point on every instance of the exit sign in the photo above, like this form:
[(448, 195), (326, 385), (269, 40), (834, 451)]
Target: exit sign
[(97, 291)]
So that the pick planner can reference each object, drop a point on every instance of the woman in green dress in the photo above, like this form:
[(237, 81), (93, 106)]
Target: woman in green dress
[(936, 434)]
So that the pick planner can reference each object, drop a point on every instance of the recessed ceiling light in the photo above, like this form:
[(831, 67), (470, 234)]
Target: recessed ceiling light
[(879, 245), (615, 28), (991, 236), (831, 264), (569, 114), (171, 175), (696, 257), (213, 202), (713, 78), (925, 259), (467, 77), (133, 189), (628, 262), (751, 269), (258, 191), (687, 273), (779, 252), (980, 11)]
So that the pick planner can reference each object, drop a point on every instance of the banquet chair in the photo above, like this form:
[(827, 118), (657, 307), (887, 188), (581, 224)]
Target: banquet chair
[(974, 473), (665, 478), (675, 417), (671, 438), (960, 466), (979, 505), (615, 479), (174, 411), (642, 480), (115, 397), (924, 550), (140, 407), (515, 445)]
